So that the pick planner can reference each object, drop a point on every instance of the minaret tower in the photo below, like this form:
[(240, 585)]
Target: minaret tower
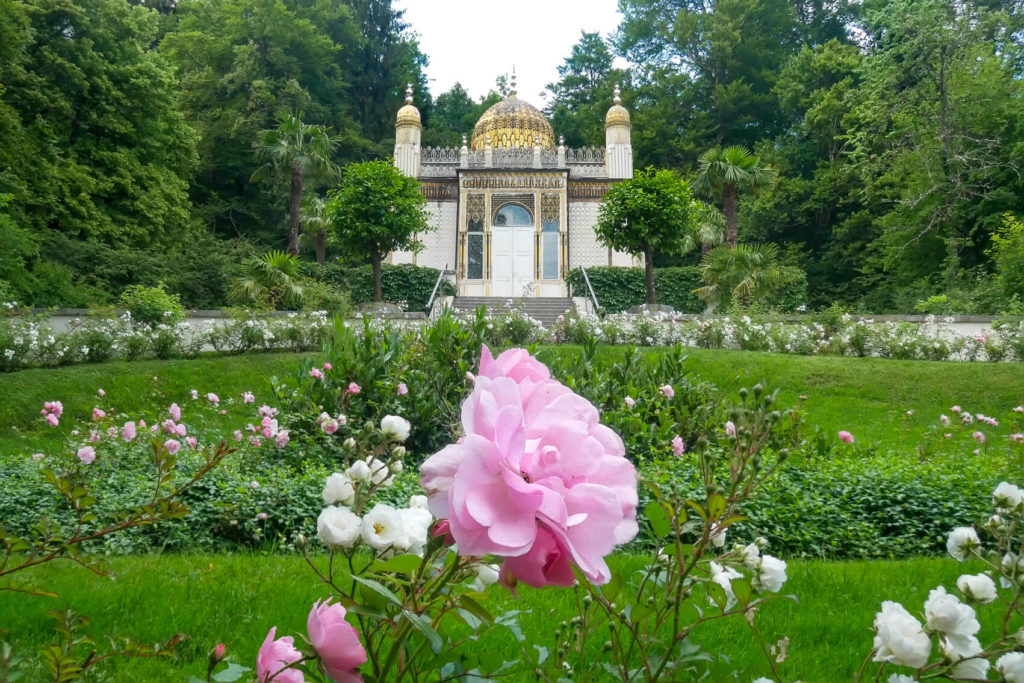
[(407, 137), (618, 154)]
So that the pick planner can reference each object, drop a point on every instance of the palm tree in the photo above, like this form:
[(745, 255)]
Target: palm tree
[(725, 173), (272, 280), (305, 151), (744, 273), (316, 223), (706, 230)]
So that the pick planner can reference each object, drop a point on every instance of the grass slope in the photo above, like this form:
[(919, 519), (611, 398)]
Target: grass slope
[(235, 599), (867, 396)]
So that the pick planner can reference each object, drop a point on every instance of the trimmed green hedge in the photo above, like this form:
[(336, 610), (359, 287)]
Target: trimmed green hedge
[(620, 288), (406, 282)]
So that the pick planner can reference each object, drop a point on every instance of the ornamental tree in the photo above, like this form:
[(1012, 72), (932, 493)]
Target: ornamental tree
[(376, 210), (648, 213)]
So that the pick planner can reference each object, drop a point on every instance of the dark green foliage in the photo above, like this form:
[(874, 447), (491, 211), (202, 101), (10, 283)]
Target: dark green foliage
[(405, 282), (152, 305), (620, 288)]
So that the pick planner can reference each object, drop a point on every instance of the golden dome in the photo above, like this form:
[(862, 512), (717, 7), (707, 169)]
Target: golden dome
[(513, 123), (408, 115), (617, 115)]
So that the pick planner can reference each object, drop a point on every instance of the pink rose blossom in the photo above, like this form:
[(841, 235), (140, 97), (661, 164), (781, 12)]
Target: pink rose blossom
[(267, 411), (353, 388), (101, 393), (223, 412), (38, 456), (275, 655), (336, 641), (255, 442), (74, 432), (667, 391), (194, 394), (94, 436), (128, 431), (955, 409), (112, 432), (169, 426), (192, 442), (282, 438), (87, 454), (1019, 409), (402, 389), (213, 398), (180, 430), (630, 402), (172, 446), (328, 367), (536, 478), (845, 436), (979, 437), (730, 428), (329, 426), (948, 435), (254, 484), (247, 397), (153, 429), (267, 432), (142, 423), (52, 420), (470, 377), (678, 447), (1017, 438), (175, 412), (976, 451), (218, 652), (238, 435), (316, 374), (944, 419)]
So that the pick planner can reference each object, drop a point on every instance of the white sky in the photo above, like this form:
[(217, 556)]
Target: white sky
[(473, 41)]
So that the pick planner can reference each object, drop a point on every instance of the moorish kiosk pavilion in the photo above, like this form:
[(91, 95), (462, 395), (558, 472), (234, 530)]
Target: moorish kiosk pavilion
[(513, 211)]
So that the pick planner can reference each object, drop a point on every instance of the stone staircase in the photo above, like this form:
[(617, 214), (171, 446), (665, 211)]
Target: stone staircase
[(544, 309)]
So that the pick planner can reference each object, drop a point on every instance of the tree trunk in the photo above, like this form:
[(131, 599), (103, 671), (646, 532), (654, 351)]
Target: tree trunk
[(732, 227), (649, 273), (321, 246), (294, 204), (378, 289)]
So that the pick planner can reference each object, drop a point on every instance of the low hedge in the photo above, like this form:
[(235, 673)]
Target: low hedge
[(403, 283), (618, 289)]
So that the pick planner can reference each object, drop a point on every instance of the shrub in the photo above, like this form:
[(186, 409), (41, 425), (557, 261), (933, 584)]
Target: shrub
[(402, 283), (152, 305), (620, 288)]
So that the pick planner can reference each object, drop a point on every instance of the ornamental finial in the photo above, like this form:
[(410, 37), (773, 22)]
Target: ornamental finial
[(464, 141), (408, 93), (617, 96), (512, 89), (561, 141)]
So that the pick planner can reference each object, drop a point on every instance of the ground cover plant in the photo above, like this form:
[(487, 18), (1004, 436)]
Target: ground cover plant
[(671, 418)]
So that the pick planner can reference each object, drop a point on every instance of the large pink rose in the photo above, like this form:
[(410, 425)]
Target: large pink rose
[(273, 656), (336, 641), (536, 477)]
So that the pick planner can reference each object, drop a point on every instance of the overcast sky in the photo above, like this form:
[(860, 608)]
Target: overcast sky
[(473, 41)]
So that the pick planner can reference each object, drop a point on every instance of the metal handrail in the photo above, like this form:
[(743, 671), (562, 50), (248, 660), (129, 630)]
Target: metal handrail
[(593, 297), (437, 284)]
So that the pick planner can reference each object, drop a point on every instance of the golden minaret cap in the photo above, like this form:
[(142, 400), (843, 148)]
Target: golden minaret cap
[(617, 114), (513, 123), (408, 115)]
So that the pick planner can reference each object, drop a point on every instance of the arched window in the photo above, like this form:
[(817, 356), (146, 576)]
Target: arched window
[(513, 216)]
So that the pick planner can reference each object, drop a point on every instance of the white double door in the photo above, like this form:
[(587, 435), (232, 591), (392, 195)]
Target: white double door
[(512, 258)]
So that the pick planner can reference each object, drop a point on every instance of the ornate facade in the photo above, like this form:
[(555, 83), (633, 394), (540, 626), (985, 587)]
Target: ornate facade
[(512, 211)]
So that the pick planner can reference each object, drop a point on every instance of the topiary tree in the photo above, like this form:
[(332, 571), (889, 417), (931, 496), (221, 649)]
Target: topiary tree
[(651, 212), (376, 210)]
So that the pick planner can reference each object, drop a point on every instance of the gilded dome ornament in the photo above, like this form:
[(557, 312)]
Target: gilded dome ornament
[(408, 115), (617, 114), (513, 123)]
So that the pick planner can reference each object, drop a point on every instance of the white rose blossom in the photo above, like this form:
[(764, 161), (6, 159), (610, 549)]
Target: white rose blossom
[(359, 471), (380, 474), (1007, 496), (1013, 569), (416, 526), (899, 637), (723, 576), (900, 678), (972, 669), (338, 489), (961, 541), (418, 502), (771, 574), (396, 427), (978, 587), (944, 612), (382, 527), (338, 527), (750, 555), (1011, 667), (486, 574)]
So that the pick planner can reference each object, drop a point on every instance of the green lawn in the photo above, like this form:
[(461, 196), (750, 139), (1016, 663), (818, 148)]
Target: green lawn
[(867, 396), (235, 599)]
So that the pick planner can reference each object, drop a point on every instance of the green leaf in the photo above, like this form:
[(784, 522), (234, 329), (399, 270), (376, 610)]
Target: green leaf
[(379, 589), (402, 564), (716, 505), (232, 673), (658, 517), (743, 591), (476, 609), (612, 588), (717, 594), (422, 625)]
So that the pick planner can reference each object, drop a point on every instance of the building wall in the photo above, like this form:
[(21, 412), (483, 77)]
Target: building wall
[(439, 245), (584, 249)]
